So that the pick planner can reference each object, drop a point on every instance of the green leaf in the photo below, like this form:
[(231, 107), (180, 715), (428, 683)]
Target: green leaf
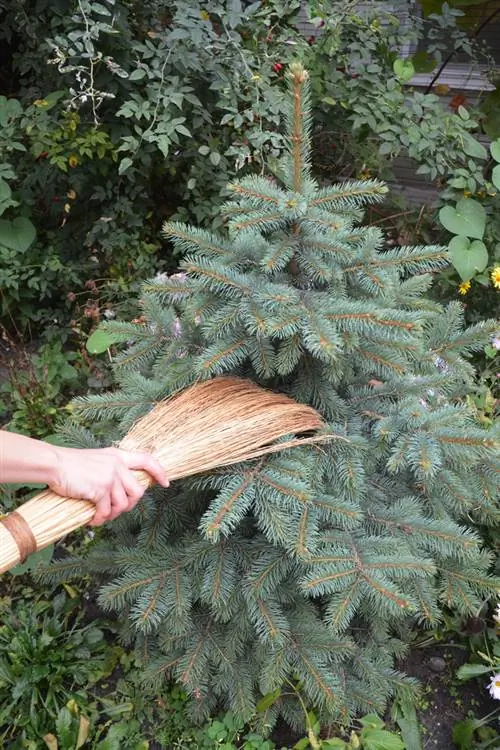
[(372, 721), (380, 739), (215, 158), (124, 165), (468, 671), (17, 234), (405, 715), (474, 148), (268, 700), (495, 149), (136, 75), (463, 734), (403, 69), (467, 218), (42, 557), (495, 176), (468, 257), (423, 62), (5, 191), (301, 744), (491, 109), (100, 341), (100, 9), (63, 725), (410, 732), (334, 744), (182, 130)]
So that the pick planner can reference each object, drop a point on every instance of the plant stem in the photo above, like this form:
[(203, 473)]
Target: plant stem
[(453, 52)]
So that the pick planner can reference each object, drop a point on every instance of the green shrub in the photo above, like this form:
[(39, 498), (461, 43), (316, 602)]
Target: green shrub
[(146, 111), (48, 656)]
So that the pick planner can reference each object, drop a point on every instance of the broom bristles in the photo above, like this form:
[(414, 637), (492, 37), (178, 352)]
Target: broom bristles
[(215, 423)]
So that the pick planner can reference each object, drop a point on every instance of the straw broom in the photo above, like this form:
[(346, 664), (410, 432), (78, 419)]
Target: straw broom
[(211, 424)]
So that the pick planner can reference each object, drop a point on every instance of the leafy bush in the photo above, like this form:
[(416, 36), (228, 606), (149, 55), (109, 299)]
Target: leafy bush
[(47, 657), (309, 565), (145, 112)]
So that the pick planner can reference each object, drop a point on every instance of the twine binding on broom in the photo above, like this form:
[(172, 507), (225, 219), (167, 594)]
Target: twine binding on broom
[(21, 533)]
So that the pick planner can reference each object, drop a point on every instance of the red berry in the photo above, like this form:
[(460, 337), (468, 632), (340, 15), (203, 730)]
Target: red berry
[(277, 67)]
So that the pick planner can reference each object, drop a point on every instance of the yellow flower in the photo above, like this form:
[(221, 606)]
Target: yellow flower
[(255, 77), (204, 15), (464, 287), (73, 160), (495, 277), (67, 208), (41, 103), (467, 193), (441, 89), (71, 195)]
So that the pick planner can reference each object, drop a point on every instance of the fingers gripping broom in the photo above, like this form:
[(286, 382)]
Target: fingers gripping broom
[(216, 423)]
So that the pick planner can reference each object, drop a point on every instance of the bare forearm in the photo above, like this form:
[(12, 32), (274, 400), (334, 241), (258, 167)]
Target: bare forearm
[(104, 476), (25, 460)]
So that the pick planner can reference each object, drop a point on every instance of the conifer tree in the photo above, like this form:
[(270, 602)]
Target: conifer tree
[(314, 564)]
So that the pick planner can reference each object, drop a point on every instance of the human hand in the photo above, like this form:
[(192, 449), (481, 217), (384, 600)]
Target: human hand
[(103, 476)]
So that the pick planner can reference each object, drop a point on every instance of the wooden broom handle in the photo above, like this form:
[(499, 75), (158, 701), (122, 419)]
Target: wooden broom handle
[(18, 526)]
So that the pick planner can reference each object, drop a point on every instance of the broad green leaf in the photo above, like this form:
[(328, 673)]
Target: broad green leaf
[(468, 257), (124, 165), (423, 62), (380, 739), (468, 671), (182, 129), (467, 218), (42, 557), (17, 234), (372, 721), (463, 734), (495, 176), (403, 69), (334, 744), (490, 107), (495, 149), (101, 9), (63, 725), (411, 733), (215, 158), (301, 744), (136, 75), (9, 109), (5, 191), (99, 341), (474, 148), (268, 700)]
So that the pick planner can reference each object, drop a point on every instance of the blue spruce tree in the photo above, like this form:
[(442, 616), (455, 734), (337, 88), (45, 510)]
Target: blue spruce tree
[(311, 565)]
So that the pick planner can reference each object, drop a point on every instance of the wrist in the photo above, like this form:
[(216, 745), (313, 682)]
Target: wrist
[(52, 461)]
